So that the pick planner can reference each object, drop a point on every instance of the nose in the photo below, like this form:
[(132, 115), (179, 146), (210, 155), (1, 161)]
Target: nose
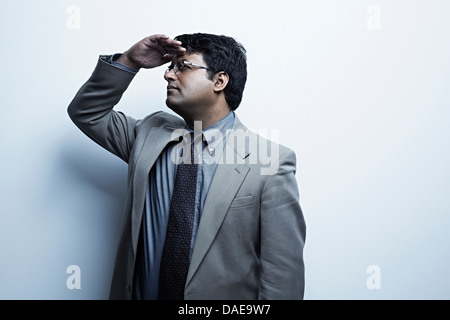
[(169, 75)]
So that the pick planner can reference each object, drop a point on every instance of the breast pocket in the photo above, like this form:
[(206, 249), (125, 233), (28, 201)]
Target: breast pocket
[(242, 202)]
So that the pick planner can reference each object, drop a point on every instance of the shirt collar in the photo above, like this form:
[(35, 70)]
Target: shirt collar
[(210, 134)]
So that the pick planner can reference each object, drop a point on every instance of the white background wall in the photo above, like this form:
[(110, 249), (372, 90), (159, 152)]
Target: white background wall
[(358, 88)]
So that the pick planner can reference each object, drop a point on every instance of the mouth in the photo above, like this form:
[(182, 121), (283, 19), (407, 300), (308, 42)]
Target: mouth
[(171, 87)]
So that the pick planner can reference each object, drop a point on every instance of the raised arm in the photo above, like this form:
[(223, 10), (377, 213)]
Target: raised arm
[(92, 107)]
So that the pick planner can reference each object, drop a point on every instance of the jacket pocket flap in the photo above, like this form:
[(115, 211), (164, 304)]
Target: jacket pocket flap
[(242, 202)]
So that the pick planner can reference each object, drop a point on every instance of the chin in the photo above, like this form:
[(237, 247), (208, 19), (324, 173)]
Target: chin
[(174, 107), (170, 104)]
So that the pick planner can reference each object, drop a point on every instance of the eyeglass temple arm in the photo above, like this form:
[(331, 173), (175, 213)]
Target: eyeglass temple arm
[(194, 64)]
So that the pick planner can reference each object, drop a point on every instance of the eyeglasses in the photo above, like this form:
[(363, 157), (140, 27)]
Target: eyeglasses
[(182, 65)]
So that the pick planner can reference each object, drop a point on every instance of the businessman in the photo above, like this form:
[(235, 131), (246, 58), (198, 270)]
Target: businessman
[(212, 209)]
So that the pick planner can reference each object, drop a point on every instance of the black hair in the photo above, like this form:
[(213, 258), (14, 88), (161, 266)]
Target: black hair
[(221, 53)]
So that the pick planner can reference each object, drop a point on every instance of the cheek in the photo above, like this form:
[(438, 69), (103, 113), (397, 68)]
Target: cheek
[(201, 90), (197, 86)]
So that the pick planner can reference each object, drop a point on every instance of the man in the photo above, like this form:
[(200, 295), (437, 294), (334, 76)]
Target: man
[(204, 218)]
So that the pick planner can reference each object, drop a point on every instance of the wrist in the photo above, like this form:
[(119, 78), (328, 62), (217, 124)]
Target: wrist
[(125, 60)]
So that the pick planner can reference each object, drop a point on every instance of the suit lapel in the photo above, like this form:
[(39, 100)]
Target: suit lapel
[(224, 186)]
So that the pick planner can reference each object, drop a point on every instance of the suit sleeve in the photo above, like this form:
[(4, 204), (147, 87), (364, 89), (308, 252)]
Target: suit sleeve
[(92, 109), (283, 233)]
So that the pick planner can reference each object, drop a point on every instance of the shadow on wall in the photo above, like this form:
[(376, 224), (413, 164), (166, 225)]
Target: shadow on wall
[(96, 168), (90, 185)]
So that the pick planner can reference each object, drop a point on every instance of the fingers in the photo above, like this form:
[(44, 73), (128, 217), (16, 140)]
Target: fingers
[(154, 51), (165, 44)]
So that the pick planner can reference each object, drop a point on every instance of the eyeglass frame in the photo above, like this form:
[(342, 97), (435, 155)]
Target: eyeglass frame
[(175, 67)]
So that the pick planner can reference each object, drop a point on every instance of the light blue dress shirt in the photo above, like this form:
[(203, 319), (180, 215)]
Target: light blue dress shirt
[(159, 194)]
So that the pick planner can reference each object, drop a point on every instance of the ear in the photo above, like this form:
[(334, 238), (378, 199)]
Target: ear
[(221, 80)]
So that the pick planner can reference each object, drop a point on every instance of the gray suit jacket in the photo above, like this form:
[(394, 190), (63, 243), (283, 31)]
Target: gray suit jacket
[(252, 231)]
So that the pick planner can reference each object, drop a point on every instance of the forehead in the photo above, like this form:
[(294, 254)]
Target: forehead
[(191, 57)]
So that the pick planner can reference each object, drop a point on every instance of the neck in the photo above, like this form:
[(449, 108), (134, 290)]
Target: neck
[(208, 117)]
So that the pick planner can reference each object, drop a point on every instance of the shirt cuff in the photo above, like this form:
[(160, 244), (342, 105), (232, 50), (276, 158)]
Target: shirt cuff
[(114, 57)]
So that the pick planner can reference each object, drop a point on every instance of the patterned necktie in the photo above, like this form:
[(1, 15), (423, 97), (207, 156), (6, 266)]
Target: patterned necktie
[(176, 252)]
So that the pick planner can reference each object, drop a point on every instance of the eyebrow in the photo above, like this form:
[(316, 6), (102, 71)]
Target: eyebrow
[(174, 62)]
